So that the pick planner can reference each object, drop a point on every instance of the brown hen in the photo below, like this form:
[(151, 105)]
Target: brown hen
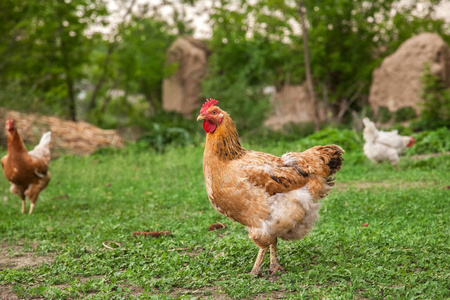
[(26, 171)]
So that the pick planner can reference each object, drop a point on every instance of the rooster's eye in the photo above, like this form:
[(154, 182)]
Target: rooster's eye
[(214, 112)]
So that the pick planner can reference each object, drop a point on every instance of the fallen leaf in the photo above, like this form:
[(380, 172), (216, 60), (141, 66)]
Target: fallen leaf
[(177, 249), (152, 234), (221, 254), (365, 224), (105, 244), (216, 226)]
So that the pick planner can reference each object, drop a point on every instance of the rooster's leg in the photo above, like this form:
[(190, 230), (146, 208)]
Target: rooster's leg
[(259, 261), (19, 191), (32, 193), (274, 265), (31, 208), (23, 206)]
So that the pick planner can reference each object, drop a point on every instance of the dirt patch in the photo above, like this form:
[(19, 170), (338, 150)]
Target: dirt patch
[(209, 291), (14, 257), (425, 156), (272, 295), (6, 292), (134, 290), (218, 293), (361, 185)]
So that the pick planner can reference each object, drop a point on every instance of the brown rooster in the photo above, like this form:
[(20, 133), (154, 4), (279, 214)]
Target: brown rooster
[(27, 171), (274, 197)]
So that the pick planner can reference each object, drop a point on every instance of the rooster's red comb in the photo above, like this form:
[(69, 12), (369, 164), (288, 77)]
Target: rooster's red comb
[(208, 104)]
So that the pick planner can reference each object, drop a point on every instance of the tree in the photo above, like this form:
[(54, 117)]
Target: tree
[(49, 48), (257, 44)]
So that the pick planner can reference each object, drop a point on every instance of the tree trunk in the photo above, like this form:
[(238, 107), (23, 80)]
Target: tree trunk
[(72, 104), (309, 81), (69, 80), (102, 77)]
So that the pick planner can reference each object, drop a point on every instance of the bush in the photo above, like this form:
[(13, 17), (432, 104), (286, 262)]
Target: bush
[(384, 115), (436, 106), (348, 139), (291, 132), (404, 114), (431, 141), (160, 137)]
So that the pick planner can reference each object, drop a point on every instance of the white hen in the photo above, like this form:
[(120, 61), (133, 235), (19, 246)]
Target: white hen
[(384, 145)]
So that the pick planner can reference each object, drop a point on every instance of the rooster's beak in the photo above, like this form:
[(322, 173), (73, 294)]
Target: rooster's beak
[(201, 117)]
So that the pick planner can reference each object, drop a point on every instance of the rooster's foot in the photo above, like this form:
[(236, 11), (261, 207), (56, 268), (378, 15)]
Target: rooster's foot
[(275, 268)]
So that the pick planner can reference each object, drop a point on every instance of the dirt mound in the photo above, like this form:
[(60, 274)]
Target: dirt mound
[(67, 136), (396, 83), (291, 104), (181, 90)]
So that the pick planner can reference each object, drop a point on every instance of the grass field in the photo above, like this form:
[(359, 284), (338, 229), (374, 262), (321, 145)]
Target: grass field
[(383, 234)]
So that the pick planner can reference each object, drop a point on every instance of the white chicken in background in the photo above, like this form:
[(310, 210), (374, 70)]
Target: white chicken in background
[(384, 145)]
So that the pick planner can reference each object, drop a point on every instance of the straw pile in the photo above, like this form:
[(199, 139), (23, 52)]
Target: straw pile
[(67, 137)]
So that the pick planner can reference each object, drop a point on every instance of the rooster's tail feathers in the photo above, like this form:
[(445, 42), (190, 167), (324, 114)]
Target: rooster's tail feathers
[(45, 140), (335, 158), (42, 150)]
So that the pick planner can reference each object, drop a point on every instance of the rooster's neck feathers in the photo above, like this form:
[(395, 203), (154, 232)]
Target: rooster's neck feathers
[(224, 141), (15, 144)]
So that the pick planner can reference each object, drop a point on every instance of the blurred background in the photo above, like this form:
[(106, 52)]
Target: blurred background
[(144, 67)]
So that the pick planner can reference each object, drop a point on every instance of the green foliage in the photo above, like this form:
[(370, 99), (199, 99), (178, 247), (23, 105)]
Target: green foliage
[(47, 49), (291, 132), (254, 46), (141, 57), (348, 139), (384, 115), (436, 141), (247, 58), (435, 111), (111, 195), (136, 70), (53, 62), (160, 137), (248, 106), (404, 114)]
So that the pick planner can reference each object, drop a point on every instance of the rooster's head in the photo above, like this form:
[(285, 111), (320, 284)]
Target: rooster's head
[(10, 127), (411, 142), (211, 115)]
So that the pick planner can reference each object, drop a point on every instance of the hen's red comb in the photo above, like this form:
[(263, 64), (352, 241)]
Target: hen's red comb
[(208, 104)]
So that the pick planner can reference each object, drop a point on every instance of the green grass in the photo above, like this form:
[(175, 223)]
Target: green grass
[(402, 253)]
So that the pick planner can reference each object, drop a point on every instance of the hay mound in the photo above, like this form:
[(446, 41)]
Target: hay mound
[(67, 137)]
